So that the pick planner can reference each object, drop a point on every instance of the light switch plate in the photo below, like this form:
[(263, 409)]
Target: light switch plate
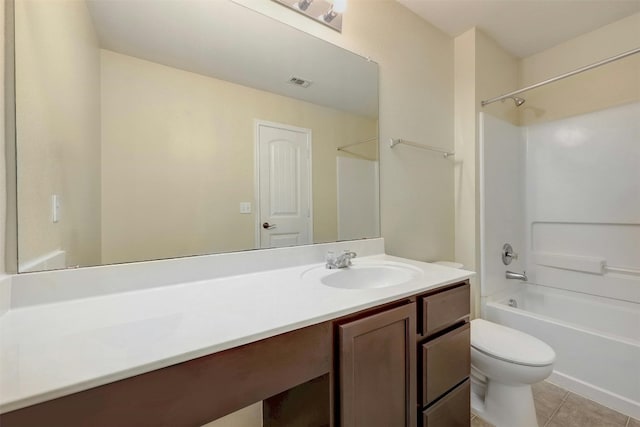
[(55, 208), (245, 207)]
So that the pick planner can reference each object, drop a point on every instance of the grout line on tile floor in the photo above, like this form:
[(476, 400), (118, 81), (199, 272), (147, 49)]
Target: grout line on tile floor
[(628, 422), (553, 414), (549, 419)]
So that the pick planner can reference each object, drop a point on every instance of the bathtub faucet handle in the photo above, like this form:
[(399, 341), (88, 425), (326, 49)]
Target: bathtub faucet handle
[(508, 254)]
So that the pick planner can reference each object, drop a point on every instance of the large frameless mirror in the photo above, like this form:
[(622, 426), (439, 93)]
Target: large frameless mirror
[(160, 129)]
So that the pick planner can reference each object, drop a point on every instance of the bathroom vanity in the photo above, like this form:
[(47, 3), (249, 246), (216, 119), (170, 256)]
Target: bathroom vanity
[(314, 354)]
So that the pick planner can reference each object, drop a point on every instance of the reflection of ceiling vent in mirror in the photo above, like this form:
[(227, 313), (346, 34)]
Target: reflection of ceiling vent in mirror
[(299, 82)]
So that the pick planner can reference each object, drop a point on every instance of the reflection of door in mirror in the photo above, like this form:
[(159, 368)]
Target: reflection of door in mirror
[(284, 185)]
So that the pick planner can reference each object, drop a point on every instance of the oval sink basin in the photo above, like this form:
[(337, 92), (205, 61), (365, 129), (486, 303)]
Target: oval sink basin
[(364, 275)]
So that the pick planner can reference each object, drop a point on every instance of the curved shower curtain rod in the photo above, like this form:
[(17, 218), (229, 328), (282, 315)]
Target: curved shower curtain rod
[(562, 76)]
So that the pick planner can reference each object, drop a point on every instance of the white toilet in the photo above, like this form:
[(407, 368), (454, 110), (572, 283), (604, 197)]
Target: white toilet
[(504, 364)]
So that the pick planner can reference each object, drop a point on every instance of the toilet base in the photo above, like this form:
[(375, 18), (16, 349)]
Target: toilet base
[(505, 405)]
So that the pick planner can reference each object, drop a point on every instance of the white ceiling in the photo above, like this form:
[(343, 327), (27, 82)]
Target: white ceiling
[(230, 42), (523, 27)]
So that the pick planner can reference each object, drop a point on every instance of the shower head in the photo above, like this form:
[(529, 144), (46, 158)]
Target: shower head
[(518, 101)]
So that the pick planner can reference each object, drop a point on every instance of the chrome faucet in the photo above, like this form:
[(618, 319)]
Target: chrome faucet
[(341, 261), (517, 276)]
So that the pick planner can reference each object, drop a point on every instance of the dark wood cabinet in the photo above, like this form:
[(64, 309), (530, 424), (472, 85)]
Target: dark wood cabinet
[(443, 309), (452, 410), (377, 369), (444, 351), (446, 362)]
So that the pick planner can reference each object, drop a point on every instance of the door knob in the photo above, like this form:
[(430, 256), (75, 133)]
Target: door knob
[(268, 226)]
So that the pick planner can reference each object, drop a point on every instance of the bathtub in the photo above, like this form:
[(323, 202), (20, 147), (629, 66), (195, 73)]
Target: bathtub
[(597, 340)]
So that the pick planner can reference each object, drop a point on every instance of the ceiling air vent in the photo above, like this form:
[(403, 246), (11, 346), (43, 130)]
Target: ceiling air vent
[(299, 82)]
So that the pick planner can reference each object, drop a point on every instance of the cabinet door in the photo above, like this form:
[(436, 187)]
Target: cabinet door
[(377, 372)]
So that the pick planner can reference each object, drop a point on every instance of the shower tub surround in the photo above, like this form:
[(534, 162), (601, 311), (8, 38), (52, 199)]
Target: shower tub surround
[(68, 331), (566, 195)]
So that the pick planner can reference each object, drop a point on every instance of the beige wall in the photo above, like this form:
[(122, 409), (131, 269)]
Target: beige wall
[(497, 72), (482, 69), (465, 147), (613, 84), (416, 103), (58, 125), (178, 158)]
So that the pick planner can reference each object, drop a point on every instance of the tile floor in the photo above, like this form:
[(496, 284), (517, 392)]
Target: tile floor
[(557, 407)]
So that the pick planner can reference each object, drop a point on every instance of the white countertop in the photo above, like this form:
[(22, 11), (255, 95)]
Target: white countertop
[(51, 350)]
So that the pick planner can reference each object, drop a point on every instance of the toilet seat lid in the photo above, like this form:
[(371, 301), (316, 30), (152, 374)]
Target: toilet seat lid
[(509, 344)]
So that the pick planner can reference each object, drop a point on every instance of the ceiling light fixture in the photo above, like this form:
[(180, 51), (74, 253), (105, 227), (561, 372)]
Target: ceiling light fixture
[(304, 4), (337, 8), (327, 12)]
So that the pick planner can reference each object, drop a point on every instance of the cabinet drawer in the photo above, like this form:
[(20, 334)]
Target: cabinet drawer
[(446, 361), (445, 309), (453, 410)]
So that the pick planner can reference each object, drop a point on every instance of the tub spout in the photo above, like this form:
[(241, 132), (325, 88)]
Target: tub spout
[(517, 276)]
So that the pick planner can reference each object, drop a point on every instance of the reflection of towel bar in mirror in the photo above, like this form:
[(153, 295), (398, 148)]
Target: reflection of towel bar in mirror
[(445, 153), (343, 148)]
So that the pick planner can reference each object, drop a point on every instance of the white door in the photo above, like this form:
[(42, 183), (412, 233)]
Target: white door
[(284, 183)]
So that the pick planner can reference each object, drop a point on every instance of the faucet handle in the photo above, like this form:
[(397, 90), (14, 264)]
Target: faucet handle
[(349, 255), (508, 254), (332, 260)]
